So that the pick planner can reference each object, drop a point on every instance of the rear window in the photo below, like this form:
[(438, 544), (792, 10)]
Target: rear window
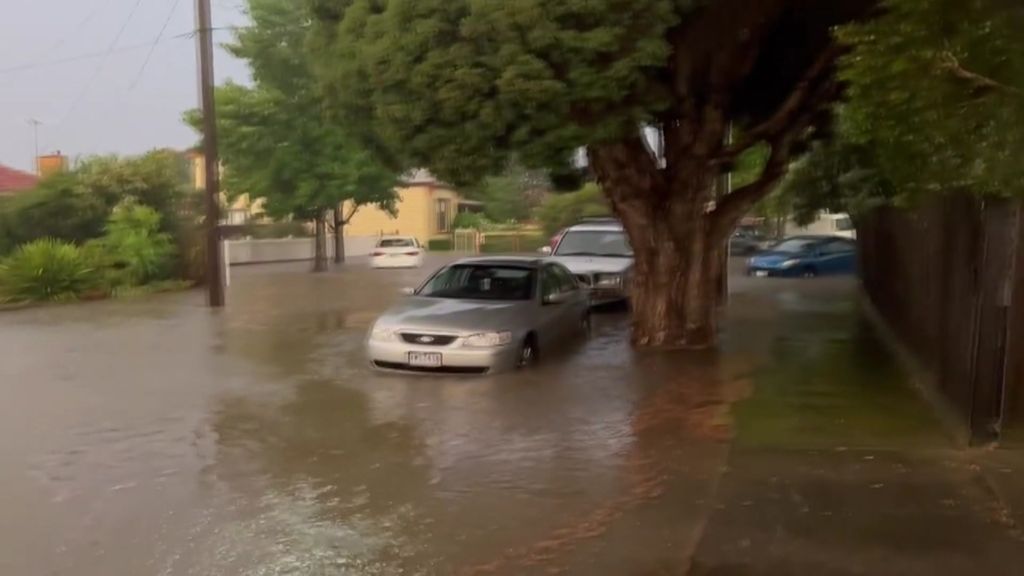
[(396, 243)]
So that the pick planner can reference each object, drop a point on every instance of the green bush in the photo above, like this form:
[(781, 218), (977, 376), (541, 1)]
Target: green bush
[(468, 220), (133, 251), (439, 245), (513, 243), (274, 230), (563, 210), (46, 270)]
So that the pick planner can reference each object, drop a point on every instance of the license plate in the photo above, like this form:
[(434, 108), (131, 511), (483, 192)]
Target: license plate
[(425, 359), (761, 273)]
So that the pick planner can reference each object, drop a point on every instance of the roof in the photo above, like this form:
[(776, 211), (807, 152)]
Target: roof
[(12, 180), (608, 225), (527, 261)]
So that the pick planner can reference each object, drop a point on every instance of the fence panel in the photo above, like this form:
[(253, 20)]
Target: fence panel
[(941, 277)]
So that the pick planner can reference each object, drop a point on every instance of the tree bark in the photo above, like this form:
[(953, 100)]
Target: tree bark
[(320, 250), (678, 250), (339, 237)]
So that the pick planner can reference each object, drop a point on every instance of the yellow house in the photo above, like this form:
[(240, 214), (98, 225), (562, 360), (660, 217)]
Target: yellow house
[(426, 209), (241, 210)]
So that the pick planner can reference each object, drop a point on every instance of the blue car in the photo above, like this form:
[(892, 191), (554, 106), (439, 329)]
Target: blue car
[(806, 257)]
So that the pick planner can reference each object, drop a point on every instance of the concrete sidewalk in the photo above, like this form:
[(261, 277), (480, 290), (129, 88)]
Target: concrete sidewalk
[(838, 468)]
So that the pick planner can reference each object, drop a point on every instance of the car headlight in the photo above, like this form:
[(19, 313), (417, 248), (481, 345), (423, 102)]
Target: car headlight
[(608, 280), (790, 263), (380, 334), (487, 340)]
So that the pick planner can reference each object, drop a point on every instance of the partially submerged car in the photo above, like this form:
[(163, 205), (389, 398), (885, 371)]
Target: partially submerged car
[(397, 252), (806, 256), (597, 252), (481, 315)]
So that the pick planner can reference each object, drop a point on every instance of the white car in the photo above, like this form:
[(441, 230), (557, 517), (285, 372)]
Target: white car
[(397, 252), (597, 252)]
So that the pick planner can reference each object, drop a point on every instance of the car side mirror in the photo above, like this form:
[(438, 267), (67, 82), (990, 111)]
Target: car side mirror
[(546, 250), (555, 299), (408, 291)]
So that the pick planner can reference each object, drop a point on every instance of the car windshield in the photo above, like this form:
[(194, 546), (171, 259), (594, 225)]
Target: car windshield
[(794, 245), (481, 282), (610, 243), (396, 243)]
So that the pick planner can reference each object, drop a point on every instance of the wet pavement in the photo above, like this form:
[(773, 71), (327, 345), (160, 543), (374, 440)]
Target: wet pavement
[(153, 436)]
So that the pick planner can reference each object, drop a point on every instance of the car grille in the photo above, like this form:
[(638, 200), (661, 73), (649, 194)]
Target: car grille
[(442, 370), (428, 339)]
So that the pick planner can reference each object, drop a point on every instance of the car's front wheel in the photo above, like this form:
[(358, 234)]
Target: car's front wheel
[(528, 353)]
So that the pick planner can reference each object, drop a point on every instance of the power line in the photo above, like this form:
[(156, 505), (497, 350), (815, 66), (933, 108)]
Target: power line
[(103, 61), (81, 25), (152, 47), (86, 56), (190, 35)]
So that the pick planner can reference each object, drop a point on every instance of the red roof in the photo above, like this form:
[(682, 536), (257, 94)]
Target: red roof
[(12, 180)]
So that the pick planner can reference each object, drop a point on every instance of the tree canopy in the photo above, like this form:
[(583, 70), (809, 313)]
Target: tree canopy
[(937, 92), (936, 103), (276, 141), (460, 86)]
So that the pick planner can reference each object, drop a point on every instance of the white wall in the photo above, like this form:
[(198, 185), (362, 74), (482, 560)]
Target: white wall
[(292, 249)]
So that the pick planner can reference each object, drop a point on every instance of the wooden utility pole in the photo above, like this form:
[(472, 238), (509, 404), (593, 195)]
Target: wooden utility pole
[(211, 164)]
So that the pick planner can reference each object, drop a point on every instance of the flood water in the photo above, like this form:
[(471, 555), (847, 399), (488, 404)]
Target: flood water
[(154, 436)]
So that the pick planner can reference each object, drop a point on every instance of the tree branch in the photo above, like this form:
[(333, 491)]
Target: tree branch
[(352, 212), (951, 64), (805, 95), (731, 208)]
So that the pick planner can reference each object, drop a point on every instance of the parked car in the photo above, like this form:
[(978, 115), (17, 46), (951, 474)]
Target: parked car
[(481, 315), (806, 256), (597, 252), (745, 242), (397, 252)]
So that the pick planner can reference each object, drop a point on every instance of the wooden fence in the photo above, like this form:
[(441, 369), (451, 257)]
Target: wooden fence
[(948, 279)]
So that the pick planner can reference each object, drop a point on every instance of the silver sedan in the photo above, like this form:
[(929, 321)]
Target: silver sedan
[(481, 315)]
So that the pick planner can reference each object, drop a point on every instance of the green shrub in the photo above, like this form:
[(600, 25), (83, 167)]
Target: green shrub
[(439, 245), (133, 251), (273, 230), (513, 243), (563, 210), (468, 220), (46, 270)]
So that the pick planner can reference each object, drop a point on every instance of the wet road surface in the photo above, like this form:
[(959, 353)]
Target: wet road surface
[(153, 436)]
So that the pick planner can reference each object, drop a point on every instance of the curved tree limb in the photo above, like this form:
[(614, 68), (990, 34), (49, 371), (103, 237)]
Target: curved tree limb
[(951, 64), (805, 95), (731, 208)]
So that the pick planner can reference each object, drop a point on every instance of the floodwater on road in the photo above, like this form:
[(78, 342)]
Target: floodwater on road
[(153, 436)]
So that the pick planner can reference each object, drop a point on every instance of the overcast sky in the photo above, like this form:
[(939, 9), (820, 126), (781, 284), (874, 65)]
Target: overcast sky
[(101, 105)]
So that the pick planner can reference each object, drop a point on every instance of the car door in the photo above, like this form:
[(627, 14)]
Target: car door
[(836, 257), (575, 305), (550, 316)]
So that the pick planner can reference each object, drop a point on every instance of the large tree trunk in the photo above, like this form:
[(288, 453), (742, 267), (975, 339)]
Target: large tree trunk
[(675, 291), (320, 250), (339, 237)]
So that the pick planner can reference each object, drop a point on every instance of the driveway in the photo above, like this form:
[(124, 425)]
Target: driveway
[(154, 436)]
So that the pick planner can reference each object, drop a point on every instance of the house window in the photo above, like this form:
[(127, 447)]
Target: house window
[(444, 215)]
